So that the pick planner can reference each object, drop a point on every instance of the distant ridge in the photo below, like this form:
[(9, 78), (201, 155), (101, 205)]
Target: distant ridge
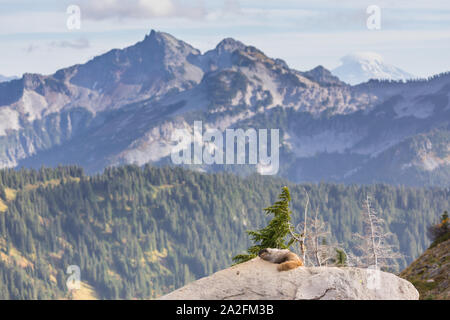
[(5, 78)]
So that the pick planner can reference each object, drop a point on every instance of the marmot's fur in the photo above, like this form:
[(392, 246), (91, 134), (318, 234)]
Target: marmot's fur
[(286, 259)]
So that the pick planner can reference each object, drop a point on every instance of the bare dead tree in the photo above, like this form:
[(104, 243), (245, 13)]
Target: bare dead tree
[(315, 237), (354, 260), (299, 236), (311, 234), (304, 234), (312, 237), (320, 252), (374, 246)]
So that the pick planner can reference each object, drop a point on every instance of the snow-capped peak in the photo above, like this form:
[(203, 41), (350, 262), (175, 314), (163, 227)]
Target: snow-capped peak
[(360, 67), (6, 78)]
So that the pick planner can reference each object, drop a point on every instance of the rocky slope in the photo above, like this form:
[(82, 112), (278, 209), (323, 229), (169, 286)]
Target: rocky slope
[(259, 280), (430, 272), (123, 106)]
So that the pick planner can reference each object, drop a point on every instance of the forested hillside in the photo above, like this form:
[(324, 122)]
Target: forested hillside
[(139, 232)]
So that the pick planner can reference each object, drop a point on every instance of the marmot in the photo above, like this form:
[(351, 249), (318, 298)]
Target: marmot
[(286, 259)]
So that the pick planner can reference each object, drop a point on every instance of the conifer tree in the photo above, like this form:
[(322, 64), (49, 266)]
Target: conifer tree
[(2, 192), (275, 233), (441, 231), (341, 258)]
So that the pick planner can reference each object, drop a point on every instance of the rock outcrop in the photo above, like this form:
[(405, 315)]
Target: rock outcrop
[(259, 280)]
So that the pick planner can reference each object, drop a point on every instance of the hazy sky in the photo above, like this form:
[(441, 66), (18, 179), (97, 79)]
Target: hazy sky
[(414, 35)]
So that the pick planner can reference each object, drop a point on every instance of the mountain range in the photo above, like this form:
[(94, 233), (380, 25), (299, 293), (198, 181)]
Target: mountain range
[(123, 106)]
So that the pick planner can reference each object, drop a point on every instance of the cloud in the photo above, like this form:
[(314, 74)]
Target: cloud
[(81, 43), (139, 9), (30, 48), (232, 6)]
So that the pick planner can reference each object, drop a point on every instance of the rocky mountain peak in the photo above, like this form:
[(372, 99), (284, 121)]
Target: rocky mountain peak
[(158, 36), (322, 76), (229, 45), (32, 81), (162, 39)]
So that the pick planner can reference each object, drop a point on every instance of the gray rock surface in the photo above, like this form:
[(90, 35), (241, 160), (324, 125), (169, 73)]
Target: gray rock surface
[(258, 280)]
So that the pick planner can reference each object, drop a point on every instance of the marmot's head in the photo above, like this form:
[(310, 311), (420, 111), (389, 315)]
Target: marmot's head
[(263, 253)]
